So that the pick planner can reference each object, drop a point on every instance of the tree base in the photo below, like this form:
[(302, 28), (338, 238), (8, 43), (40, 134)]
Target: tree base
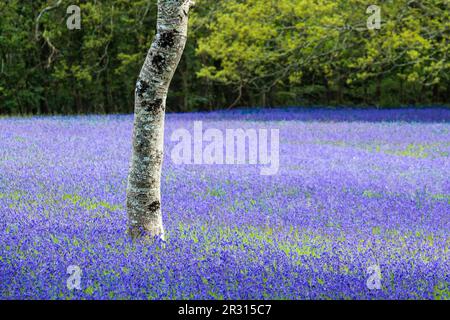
[(148, 233)]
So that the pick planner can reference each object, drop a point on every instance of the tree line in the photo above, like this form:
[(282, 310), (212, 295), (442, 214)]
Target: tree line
[(239, 53)]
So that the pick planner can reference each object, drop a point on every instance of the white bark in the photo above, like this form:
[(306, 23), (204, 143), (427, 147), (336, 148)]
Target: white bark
[(143, 190)]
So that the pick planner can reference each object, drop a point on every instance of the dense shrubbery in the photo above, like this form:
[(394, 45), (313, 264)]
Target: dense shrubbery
[(252, 52)]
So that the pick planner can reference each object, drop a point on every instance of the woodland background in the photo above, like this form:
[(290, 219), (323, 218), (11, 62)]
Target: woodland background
[(239, 53)]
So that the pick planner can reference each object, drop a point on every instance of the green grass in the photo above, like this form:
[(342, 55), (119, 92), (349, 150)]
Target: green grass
[(89, 204)]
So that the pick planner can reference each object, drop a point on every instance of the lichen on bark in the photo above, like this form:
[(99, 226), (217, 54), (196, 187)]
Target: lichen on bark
[(144, 179)]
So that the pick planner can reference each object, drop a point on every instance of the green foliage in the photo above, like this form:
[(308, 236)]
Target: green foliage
[(324, 48), (51, 69), (252, 52)]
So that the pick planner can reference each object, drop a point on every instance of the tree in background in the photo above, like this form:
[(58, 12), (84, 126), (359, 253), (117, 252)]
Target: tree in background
[(91, 70), (409, 54), (144, 180), (306, 49), (240, 52)]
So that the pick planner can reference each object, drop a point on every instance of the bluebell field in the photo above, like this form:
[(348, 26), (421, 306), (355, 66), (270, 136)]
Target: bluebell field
[(355, 189)]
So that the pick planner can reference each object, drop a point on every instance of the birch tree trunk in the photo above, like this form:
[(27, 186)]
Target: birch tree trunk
[(144, 179)]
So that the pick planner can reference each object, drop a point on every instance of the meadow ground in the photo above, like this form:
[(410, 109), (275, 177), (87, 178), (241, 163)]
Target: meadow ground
[(356, 191)]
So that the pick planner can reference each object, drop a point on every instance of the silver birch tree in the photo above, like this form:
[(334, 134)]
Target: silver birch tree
[(144, 179)]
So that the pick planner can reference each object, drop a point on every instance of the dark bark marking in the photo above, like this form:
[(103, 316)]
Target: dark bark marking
[(167, 39), (159, 62), (142, 145), (154, 106), (142, 87), (154, 206)]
